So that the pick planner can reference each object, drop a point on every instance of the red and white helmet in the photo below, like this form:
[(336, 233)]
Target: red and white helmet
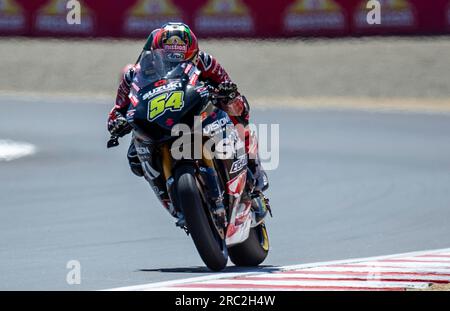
[(178, 42)]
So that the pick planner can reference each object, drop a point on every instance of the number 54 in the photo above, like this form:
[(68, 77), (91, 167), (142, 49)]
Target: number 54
[(161, 103)]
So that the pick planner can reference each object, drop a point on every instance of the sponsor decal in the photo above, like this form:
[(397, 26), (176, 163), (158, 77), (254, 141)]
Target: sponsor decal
[(12, 18), (202, 91), (236, 185), (188, 68), (130, 115), (135, 87), (168, 87), (142, 150), (219, 16), (52, 18), (160, 83), (239, 164), (193, 79), (175, 44), (169, 122), (150, 14), (175, 56), (134, 100), (131, 112), (394, 13), (204, 115), (216, 127), (314, 15)]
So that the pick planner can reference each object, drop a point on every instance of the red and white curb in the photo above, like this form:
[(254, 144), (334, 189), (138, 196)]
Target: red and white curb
[(12, 150), (399, 272)]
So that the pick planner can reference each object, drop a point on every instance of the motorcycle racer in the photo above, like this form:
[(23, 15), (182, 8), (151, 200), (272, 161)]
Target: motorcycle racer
[(180, 44)]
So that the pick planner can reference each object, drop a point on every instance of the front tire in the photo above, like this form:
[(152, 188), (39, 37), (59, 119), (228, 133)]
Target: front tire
[(252, 251), (212, 251)]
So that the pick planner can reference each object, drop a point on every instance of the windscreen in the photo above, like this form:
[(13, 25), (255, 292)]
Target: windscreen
[(154, 66)]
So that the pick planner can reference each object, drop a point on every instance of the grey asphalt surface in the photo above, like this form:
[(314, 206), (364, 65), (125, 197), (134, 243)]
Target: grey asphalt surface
[(350, 184)]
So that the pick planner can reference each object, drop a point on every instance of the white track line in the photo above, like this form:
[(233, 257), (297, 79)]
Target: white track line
[(376, 269), (379, 264), (351, 275), (445, 260), (12, 150), (371, 265)]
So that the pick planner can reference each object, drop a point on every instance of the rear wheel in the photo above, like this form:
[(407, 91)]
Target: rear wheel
[(209, 245), (252, 251)]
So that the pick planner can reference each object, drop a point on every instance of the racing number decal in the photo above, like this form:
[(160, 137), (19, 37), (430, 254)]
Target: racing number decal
[(160, 104)]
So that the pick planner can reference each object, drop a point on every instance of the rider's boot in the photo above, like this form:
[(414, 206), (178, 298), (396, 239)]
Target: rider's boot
[(259, 182), (260, 179), (259, 176)]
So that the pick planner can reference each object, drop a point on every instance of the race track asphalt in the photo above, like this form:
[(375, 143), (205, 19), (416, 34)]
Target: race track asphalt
[(349, 184)]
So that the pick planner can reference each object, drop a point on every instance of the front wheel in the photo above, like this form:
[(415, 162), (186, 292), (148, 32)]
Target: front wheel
[(209, 245), (252, 251)]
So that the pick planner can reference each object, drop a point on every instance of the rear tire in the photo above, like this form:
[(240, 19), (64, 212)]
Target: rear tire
[(252, 251), (206, 240)]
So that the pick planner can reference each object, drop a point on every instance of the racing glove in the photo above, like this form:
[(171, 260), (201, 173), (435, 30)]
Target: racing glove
[(228, 88), (118, 125)]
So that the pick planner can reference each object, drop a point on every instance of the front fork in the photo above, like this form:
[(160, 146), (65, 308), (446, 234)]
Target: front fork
[(166, 161)]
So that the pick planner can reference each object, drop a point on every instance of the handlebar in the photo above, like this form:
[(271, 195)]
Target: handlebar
[(113, 142)]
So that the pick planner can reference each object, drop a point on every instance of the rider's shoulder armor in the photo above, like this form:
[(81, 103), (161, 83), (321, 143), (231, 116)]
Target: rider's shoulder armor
[(205, 60)]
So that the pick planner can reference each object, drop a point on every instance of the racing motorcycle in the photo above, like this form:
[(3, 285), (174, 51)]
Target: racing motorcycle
[(210, 194)]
